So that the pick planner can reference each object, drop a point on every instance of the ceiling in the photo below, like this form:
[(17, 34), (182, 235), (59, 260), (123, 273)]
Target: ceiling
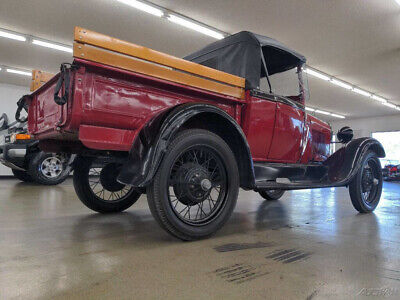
[(356, 40)]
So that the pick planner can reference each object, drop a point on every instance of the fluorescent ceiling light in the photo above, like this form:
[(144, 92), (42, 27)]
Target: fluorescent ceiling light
[(310, 109), (398, 2), (341, 84), (12, 36), (397, 108), (143, 7), (318, 74), (380, 99), (51, 45), (361, 92), (323, 112), (389, 105), (192, 25), (338, 116), (19, 72)]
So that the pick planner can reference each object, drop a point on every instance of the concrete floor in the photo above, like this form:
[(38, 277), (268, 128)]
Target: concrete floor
[(309, 245)]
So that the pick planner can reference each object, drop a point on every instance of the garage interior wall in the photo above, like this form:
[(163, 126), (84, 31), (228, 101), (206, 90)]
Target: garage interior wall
[(9, 95), (366, 126)]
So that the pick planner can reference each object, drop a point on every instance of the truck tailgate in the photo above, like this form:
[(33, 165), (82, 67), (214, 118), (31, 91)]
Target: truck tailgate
[(44, 114)]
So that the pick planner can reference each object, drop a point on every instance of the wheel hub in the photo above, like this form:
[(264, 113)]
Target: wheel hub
[(368, 180), (194, 184), (108, 178)]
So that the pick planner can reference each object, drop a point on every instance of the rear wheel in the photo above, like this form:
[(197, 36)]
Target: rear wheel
[(48, 168), (272, 195), (366, 187), (97, 187), (22, 175), (196, 186)]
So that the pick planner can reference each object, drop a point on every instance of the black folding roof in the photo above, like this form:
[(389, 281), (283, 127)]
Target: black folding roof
[(240, 54)]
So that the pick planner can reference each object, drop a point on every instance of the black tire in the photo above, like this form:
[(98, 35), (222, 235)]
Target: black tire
[(217, 175), (22, 175), (271, 195), (113, 198), (38, 172), (368, 178)]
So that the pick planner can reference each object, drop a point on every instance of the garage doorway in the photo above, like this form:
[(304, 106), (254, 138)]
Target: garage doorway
[(391, 143)]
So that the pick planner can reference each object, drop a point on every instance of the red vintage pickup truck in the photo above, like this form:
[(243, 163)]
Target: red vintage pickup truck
[(190, 132)]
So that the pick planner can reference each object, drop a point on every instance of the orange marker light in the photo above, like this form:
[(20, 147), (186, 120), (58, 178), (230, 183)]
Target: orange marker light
[(21, 136)]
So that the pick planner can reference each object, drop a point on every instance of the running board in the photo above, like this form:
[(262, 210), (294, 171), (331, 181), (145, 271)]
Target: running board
[(297, 176)]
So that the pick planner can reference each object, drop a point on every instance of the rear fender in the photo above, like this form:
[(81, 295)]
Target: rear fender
[(344, 164), (151, 143)]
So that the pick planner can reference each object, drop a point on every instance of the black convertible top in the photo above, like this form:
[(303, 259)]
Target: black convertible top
[(240, 54)]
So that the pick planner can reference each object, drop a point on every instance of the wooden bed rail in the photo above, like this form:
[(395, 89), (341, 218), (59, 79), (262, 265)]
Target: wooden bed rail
[(39, 78), (107, 50)]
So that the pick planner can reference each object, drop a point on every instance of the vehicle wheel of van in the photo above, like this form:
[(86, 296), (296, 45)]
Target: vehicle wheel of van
[(22, 175), (196, 186), (97, 187), (48, 168), (366, 187), (271, 195)]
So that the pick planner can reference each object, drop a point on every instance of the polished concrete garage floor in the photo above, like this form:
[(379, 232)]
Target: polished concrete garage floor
[(309, 245)]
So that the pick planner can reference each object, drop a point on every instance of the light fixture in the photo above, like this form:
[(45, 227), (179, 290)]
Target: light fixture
[(52, 45), (341, 84), (12, 36), (195, 26), (391, 105), (317, 74), (144, 7), (309, 109), (19, 72), (361, 92), (323, 112), (380, 99), (397, 108), (398, 1), (338, 116)]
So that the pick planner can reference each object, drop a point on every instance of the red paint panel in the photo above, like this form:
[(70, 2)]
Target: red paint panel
[(258, 125), (288, 134), (103, 138)]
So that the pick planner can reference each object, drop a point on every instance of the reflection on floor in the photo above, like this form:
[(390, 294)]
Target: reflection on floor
[(310, 244)]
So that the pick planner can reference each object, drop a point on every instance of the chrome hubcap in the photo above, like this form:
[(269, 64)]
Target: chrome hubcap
[(51, 167)]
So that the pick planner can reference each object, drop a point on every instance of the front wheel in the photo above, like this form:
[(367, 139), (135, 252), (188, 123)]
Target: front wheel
[(22, 175), (48, 169), (97, 187), (272, 195), (366, 187), (196, 186)]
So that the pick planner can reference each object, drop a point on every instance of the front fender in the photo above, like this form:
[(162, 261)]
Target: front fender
[(150, 145), (344, 164)]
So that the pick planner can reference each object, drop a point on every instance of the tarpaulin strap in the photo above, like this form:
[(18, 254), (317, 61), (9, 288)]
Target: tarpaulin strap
[(21, 105), (64, 78)]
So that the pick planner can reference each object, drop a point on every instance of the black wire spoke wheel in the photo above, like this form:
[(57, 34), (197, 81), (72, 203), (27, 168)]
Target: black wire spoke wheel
[(366, 187), (97, 187), (195, 188), (370, 180), (104, 184), (197, 185), (272, 195)]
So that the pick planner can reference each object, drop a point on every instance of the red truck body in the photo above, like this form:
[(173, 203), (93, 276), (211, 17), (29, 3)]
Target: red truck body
[(108, 107)]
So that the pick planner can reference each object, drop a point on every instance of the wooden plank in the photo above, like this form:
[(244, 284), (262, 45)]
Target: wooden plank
[(140, 66), (109, 43), (39, 78)]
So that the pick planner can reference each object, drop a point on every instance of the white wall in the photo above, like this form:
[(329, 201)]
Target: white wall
[(9, 95), (366, 126)]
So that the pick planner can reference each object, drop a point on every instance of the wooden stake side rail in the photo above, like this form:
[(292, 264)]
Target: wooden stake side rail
[(39, 78), (100, 48)]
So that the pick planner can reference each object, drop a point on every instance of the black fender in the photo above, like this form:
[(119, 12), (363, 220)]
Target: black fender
[(344, 164), (151, 143)]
